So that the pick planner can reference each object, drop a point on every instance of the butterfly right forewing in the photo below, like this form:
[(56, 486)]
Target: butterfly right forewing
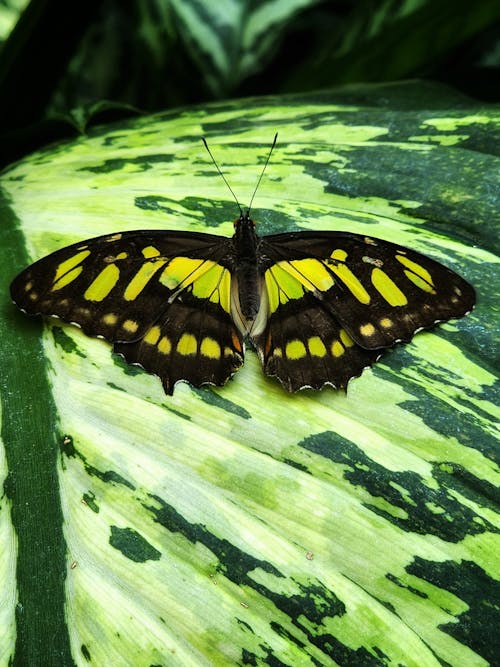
[(380, 293)]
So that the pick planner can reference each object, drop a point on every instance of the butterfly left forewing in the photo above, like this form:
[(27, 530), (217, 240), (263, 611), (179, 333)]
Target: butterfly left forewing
[(116, 286)]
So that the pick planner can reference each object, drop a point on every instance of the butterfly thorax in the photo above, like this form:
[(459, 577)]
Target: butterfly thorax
[(246, 269)]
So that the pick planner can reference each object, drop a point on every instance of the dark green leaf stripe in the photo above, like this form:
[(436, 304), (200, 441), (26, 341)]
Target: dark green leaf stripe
[(33, 546), (243, 526)]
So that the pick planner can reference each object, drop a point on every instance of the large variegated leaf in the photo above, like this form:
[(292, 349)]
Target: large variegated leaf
[(243, 525)]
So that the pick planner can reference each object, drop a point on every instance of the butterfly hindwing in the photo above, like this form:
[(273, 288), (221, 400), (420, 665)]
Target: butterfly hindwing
[(304, 346), (195, 339), (380, 293)]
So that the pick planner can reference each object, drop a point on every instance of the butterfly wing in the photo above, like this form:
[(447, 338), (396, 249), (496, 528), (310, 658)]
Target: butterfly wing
[(303, 345), (151, 294), (191, 341), (363, 294)]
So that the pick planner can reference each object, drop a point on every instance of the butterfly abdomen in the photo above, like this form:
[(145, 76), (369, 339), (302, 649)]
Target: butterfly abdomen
[(248, 290)]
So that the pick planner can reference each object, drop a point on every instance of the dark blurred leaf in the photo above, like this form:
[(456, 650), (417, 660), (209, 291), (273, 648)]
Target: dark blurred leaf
[(10, 11), (394, 41), (35, 56), (65, 59)]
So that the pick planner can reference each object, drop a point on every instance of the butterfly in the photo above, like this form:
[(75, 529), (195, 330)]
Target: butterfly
[(318, 307)]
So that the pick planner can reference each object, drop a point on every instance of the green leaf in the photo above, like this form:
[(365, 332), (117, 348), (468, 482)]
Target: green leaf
[(10, 11), (390, 41), (242, 525), (231, 40)]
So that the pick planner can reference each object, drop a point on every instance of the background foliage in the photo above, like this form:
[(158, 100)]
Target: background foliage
[(241, 525), (63, 64)]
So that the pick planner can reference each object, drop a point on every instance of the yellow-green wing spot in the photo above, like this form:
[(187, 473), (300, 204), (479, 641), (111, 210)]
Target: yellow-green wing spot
[(181, 272), (164, 345), (345, 339), (281, 286), (150, 251), (311, 273), (187, 344), (67, 271), (316, 346), (342, 271), (337, 349), (210, 348), (287, 280), (131, 326), (70, 263), (214, 285), (367, 329), (66, 279), (418, 274), (153, 335), (139, 281), (110, 319), (387, 288), (295, 349), (208, 279), (103, 283)]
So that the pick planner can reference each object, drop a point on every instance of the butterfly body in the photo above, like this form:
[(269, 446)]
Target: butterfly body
[(246, 270), (318, 307)]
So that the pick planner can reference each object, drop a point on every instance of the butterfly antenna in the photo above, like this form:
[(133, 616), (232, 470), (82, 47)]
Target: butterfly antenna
[(220, 172), (263, 170)]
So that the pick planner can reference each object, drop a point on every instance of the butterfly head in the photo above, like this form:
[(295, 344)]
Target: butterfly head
[(244, 233), (244, 221), (244, 226)]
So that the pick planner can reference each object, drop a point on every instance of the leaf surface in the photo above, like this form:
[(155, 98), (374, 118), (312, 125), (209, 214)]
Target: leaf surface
[(242, 525)]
